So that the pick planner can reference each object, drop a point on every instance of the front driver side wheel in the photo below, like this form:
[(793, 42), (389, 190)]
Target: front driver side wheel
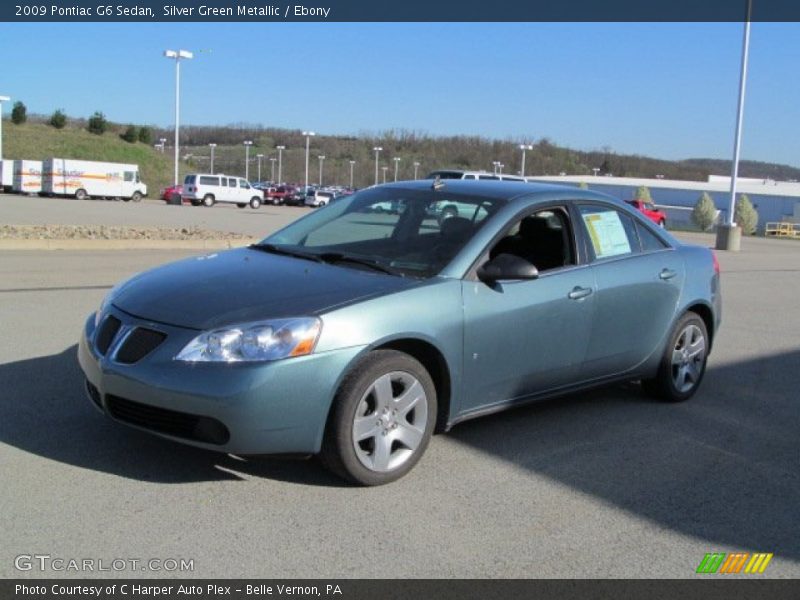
[(684, 362), (382, 419)]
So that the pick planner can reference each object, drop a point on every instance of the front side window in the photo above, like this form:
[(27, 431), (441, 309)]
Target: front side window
[(244, 184), (543, 238), (611, 233), (128, 176), (402, 230)]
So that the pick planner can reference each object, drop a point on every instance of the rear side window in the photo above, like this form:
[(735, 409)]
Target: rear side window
[(650, 242), (610, 232), (189, 179), (493, 177), (205, 180)]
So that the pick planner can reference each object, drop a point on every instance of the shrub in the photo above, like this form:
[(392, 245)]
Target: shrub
[(146, 135), (704, 212), (19, 114), (58, 119), (97, 123), (583, 185), (131, 134), (643, 194), (745, 215)]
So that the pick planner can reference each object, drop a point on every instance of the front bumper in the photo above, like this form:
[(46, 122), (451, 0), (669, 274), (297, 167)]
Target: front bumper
[(242, 408)]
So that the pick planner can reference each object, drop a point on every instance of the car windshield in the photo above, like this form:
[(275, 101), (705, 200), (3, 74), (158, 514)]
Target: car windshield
[(409, 233)]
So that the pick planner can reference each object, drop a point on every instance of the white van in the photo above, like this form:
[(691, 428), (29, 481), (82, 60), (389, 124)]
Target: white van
[(207, 189), (482, 175), (84, 179), (27, 177), (6, 175)]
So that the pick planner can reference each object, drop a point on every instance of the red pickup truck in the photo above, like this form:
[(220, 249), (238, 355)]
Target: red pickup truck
[(650, 211), (279, 194)]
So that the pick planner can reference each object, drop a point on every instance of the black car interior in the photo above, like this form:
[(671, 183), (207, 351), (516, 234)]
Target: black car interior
[(543, 239)]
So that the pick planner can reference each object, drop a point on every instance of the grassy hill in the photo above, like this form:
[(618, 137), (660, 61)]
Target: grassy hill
[(37, 141)]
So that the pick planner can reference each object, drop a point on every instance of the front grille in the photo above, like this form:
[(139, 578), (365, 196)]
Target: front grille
[(94, 394), (106, 332), (139, 344), (170, 422)]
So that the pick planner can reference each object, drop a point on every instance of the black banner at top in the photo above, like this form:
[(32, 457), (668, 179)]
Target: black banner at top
[(151, 11)]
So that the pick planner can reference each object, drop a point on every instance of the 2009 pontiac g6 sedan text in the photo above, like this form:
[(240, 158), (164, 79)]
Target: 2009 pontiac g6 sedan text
[(355, 332)]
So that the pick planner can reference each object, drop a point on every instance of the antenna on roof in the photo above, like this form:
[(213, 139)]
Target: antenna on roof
[(438, 184)]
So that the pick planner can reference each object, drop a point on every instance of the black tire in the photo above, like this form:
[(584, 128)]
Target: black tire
[(136, 197), (81, 194), (241, 205), (208, 200), (195, 202), (255, 202), (339, 448), (447, 213), (676, 365)]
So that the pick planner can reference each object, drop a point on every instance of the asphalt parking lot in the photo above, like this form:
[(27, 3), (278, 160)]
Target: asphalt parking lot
[(602, 484)]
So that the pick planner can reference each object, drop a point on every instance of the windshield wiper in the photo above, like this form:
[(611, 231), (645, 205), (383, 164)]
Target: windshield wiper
[(337, 257), (273, 249)]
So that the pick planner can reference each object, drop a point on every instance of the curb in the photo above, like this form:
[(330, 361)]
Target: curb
[(85, 244)]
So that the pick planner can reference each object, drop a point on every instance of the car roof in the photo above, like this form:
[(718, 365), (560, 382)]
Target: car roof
[(502, 190)]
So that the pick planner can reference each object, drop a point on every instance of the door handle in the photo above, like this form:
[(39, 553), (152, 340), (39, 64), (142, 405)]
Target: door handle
[(667, 274), (579, 292)]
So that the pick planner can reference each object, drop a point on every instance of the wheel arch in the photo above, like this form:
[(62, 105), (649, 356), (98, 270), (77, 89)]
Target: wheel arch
[(703, 311)]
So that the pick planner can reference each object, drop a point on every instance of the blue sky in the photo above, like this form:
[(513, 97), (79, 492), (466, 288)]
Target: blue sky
[(664, 90)]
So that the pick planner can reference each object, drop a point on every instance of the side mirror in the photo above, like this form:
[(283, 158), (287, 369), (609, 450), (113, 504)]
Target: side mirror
[(506, 266)]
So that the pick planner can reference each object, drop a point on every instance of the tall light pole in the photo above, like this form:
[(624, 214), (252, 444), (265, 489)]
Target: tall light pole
[(2, 99), (177, 56), (524, 147), (384, 169), (416, 167), (500, 168), (495, 163), (729, 235), (308, 135), (280, 162), (352, 164), (321, 158), (247, 144), (161, 143), (377, 150), (211, 167), (272, 159), (259, 157), (396, 160)]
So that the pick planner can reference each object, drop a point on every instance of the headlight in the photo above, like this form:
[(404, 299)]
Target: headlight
[(261, 341)]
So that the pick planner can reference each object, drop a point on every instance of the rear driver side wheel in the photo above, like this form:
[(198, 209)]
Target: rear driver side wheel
[(684, 362), (208, 200), (382, 419)]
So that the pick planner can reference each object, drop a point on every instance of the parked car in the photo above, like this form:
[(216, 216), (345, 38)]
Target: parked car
[(280, 194), (168, 193), (298, 198), (319, 198), (472, 175), (200, 188), (354, 335), (658, 217)]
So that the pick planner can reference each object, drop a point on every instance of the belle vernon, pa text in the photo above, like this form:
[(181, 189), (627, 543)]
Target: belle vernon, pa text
[(136, 589)]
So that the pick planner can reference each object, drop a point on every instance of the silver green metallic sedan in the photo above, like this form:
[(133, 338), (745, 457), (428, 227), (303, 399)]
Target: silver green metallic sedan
[(355, 333)]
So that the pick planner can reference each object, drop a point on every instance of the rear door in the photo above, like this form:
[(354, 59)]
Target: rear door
[(639, 279)]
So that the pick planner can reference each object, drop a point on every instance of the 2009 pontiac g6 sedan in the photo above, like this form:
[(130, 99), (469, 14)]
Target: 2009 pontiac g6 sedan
[(355, 332)]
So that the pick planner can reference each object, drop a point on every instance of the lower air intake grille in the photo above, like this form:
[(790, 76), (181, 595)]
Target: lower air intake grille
[(170, 422), (139, 344), (106, 332)]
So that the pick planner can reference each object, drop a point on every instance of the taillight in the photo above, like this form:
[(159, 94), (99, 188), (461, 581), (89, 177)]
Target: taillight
[(716, 262)]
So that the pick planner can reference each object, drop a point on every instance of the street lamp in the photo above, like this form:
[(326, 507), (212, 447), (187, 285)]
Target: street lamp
[(495, 163), (595, 171), (416, 167), (161, 143), (500, 168), (321, 158), (259, 157), (377, 150), (384, 169), (524, 147), (352, 164), (247, 144), (177, 55), (396, 160), (212, 146), (308, 135), (272, 159), (280, 162)]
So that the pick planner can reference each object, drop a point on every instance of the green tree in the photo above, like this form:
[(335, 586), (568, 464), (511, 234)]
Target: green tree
[(131, 134), (19, 114), (745, 215), (704, 212), (643, 194), (58, 119), (97, 123), (583, 185), (146, 135)]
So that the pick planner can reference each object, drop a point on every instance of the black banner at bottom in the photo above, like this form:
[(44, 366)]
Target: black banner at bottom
[(380, 589)]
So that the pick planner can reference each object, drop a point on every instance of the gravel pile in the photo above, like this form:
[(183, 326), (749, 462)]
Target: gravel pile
[(104, 232)]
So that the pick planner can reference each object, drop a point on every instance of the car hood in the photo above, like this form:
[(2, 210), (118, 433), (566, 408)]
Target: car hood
[(246, 285)]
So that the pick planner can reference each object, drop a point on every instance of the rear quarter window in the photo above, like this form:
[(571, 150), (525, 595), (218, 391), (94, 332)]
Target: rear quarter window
[(205, 180), (189, 180)]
